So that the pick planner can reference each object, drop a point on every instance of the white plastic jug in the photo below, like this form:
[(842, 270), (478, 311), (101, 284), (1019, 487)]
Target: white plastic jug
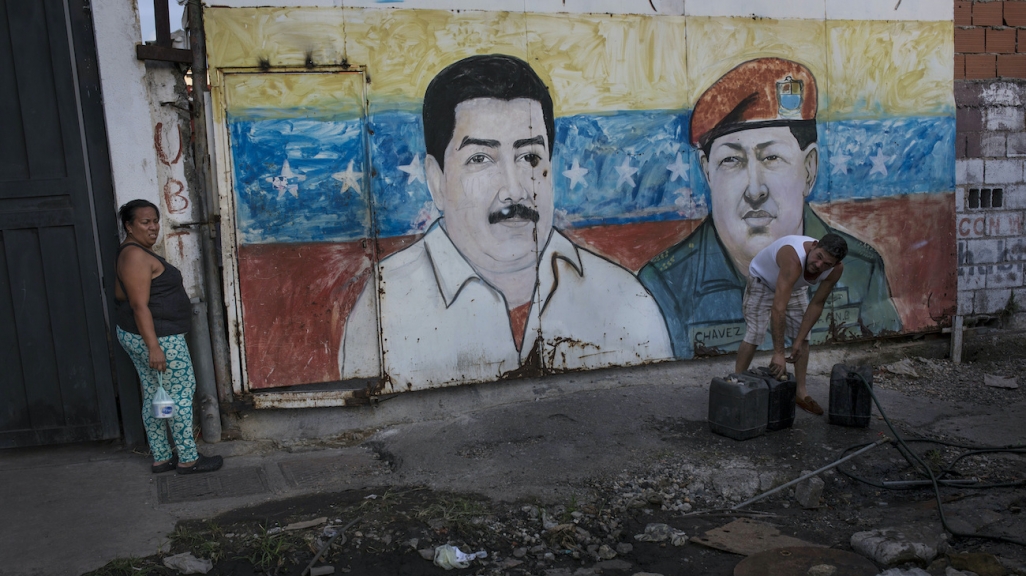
[(163, 405)]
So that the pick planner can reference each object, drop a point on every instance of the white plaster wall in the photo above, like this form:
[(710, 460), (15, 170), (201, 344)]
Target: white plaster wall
[(170, 143), (125, 102), (135, 101)]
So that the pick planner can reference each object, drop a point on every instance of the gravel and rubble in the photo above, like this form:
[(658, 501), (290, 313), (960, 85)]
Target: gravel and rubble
[(639, 521), (642, 518)]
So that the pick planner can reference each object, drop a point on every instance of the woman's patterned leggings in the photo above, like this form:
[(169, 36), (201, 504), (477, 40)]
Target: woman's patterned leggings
[(180, 384)]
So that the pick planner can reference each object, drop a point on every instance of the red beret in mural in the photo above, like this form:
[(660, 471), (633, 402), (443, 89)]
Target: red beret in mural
[(756, 94)]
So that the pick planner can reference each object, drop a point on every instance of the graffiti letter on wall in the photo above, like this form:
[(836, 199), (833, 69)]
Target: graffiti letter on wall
[(158, 142), (177, 236), (175, 200)]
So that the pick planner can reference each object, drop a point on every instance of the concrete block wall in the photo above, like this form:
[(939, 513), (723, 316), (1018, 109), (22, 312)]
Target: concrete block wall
[(990, 93)]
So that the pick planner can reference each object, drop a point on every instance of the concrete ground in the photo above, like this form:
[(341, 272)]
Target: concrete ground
[(72, 509)]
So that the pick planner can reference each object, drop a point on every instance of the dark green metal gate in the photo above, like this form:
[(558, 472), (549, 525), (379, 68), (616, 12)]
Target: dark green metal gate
[(56, 381)]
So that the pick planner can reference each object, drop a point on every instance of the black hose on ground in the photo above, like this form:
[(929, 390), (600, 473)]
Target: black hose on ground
[(916, 462)]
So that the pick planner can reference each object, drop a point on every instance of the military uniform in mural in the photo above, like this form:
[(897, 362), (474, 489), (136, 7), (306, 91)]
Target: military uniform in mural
[(756, 137), (699, 291)]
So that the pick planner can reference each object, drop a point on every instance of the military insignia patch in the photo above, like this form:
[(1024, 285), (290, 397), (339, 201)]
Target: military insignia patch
[(789, 98)]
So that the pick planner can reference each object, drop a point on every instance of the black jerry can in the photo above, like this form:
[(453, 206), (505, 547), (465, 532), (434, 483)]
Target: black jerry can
[(781, 398), (851, 403), (738, 406)]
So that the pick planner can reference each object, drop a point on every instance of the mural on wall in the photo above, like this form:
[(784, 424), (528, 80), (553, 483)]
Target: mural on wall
[(493, 287), (755, 134), (464, 202)]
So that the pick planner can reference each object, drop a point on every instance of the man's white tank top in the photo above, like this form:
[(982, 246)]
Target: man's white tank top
[(764, 265)]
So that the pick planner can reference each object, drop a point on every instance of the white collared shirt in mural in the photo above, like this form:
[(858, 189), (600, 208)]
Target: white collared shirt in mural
[(443, 324)]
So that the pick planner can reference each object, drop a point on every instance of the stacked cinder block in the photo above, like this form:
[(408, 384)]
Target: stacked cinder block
[(990, 93)]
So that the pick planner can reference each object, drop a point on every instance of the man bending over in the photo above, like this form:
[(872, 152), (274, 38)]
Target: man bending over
[(777, 295)]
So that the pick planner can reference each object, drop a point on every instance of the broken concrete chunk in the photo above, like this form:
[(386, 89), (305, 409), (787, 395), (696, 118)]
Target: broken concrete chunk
[(736, 484), (809, 492), (888, 546), (186, 563), (1000, 381), (902, 367), (662, 533)]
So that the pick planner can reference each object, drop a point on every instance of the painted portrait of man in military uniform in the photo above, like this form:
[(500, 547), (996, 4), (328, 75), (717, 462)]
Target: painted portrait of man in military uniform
[(756, 136)]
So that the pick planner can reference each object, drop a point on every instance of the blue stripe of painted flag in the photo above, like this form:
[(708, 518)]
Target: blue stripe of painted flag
[(858, 159)]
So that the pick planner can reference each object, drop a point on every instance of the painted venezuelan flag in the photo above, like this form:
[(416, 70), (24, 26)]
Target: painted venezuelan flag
[(322, 159)]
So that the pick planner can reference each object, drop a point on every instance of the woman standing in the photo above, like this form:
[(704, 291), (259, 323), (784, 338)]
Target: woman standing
[(153, 316)]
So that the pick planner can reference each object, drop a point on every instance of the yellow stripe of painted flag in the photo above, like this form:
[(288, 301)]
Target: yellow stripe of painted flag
[(597, 63)]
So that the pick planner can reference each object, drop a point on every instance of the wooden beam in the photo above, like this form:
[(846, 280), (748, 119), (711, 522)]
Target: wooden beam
[(162, 53)]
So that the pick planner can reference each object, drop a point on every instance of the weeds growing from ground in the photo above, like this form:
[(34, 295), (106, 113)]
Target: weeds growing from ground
[(458, 513), (205, 541), (271, 551)]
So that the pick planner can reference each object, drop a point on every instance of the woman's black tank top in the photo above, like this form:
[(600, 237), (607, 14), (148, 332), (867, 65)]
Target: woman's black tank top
[(169, 303)]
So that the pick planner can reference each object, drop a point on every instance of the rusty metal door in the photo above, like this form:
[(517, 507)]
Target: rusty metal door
[(300, 179), (56, 382)]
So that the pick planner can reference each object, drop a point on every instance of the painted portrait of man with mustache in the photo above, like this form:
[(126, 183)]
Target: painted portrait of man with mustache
[(493, 289)]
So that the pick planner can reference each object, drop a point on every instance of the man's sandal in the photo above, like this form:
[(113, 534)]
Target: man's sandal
[(809, 405)]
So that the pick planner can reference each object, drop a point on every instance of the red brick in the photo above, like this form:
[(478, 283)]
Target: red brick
[(970, 40), (1001, 40), (1015, 13), (1022, 41), (979, 66), (988, 14), (963, 13), (959, 67), (1011, 65)]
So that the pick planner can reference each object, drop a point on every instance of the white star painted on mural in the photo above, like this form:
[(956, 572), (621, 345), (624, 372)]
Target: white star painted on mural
[(678, 168), (839, 163), (576, 175), (281, 182), (349, 179), (626, 172), (415, 170), (879, 163)]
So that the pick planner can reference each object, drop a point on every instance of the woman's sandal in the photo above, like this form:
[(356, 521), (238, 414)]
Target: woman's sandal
[(203, 464), (166, 466)]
